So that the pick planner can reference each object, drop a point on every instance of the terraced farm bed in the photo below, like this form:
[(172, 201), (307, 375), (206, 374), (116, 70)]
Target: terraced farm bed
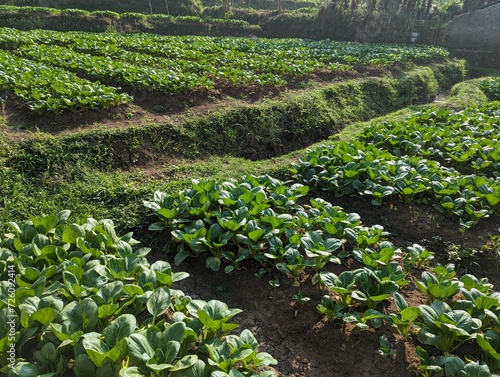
[(344, 256)]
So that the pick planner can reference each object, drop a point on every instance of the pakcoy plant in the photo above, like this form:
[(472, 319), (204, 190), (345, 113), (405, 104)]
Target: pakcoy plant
[(439, 285), (450, 366), (484, 306), (343, 285), (330, 308), (446, 328), (377, 257), (404, 319), (372, 288), (80, 288), (321, 250), (414, 161), (417, 256), (259, 218)]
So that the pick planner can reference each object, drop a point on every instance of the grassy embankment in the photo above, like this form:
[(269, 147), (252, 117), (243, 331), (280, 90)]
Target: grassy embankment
[(107, 173)]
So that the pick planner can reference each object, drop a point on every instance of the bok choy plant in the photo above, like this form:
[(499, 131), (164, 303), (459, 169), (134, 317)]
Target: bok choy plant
[(80, 290)]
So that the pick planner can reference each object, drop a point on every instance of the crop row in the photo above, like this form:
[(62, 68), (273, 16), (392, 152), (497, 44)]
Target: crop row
[(302, 55), (259, 218), (182, 64), (464, 140), (111, 70), (46, 88), (89, 303), (418, 159)]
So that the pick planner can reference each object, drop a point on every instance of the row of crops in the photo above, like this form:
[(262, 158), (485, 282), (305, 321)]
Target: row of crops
[(87, 301), (171, 64), (450, 159), (47, 88), (446, 158)]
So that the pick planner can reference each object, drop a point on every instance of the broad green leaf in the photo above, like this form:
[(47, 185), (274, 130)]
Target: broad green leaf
[(175, 331), (100, 352), (110, 292), (213, 263), (454, 367), (256, 234), (25, 369), (66, 333), (171, 350), (72, 232), (44, 316), (186, 362), (107, 310), (427, 337), (163, 272), (132, 290), (198, 369), (45, 224), (48, 357), (120, 328), (159, 301), (410, 313), (400, 301), (81, 316), (84, 367), (140, 351)]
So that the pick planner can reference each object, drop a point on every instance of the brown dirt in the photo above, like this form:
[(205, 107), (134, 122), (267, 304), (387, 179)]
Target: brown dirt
[(300, 338)]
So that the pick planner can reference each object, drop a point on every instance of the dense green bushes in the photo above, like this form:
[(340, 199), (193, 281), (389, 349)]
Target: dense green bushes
[(29, 18), (175, 8), (290, 25)]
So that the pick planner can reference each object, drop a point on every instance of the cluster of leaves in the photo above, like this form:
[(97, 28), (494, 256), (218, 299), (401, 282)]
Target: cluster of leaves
[(258, 218), (491, 87), (449, 158), (46, 88), (459, 311), (76, 295)]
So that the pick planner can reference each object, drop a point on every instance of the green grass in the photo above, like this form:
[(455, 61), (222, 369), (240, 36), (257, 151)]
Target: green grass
[(91, 190)]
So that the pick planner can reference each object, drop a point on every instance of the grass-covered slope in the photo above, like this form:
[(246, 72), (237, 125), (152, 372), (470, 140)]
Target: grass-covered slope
[(80, 170)]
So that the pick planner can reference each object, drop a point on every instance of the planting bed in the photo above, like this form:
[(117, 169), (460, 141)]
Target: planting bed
[(271, 247), (302, 341), (222, 225)]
